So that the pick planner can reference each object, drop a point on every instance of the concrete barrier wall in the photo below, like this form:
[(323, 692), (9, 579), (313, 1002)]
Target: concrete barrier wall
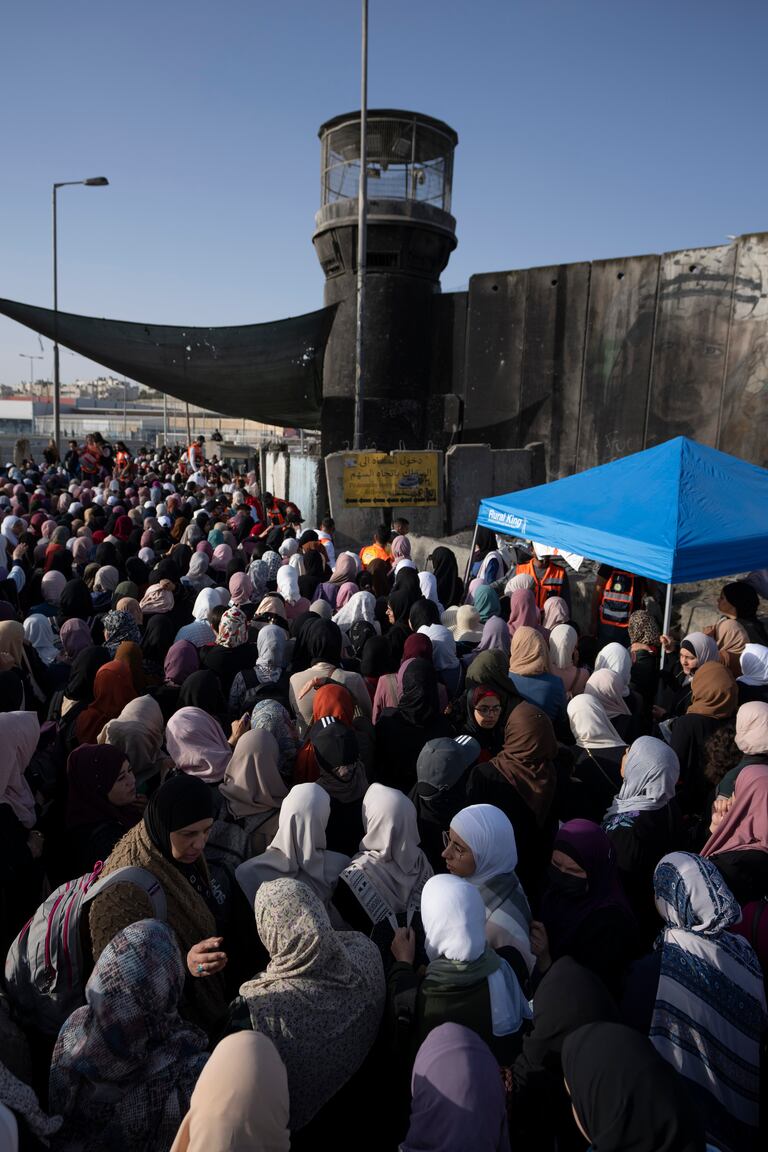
[(468, 473), (604, 359), (296, 477)]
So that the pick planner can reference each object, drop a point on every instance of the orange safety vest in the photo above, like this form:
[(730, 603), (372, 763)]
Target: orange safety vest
[(550, 584), (617, 599), (373, 552)]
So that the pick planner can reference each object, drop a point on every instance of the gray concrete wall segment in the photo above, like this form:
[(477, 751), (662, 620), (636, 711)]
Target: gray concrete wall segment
[(468, 478)]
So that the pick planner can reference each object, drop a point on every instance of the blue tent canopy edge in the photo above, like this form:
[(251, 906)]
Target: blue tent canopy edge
[(678, 513)]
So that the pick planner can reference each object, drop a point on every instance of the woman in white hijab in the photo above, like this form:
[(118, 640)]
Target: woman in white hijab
[(563, 645), (38, 633), (644, 823), (288, 587), (206, 601), (617, 658), (596, 759), (518, 583), (361, 606), (298, 849), (288, 548), (753, 682), (464, 975), (481, 848), (385, 879), (607, 687), (197, 575), (428, 585)]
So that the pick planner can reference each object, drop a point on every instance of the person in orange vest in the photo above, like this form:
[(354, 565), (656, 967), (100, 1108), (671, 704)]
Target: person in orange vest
[(617, 595), (195, 455), (549, 579), (379, 549), (123, 462)]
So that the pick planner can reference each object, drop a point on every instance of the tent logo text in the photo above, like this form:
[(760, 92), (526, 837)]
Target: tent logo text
[(507, 520)]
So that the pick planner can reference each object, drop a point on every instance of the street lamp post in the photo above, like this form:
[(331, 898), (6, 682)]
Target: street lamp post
[(91, 182), (26, 356)]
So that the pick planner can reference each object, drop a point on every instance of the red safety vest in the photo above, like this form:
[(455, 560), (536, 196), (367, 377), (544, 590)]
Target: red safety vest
[(617, 599), (550, 584)]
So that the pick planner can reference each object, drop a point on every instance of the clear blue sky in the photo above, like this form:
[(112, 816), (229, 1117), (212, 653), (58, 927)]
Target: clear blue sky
[(587, 129)]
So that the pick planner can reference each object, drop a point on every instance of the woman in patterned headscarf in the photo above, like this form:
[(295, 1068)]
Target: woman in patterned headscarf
[(320, 1000), (710, 1002), (125, 1064)]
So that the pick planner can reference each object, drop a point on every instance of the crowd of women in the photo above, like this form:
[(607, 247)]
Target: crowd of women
[(299, 851)]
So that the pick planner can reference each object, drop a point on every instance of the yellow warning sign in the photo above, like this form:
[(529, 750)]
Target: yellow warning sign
[(402, 479)]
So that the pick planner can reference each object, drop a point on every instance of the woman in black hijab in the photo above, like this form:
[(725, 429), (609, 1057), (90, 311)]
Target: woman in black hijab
[(399, 604), (107, 555), (203, 690), (739, 601), (168, 842), (482, 714), (78, 693), (376, 660), (137, 571), (299, 629), (450, 589), (423, 613), (159, 634), (323, 642), (314, 573), (75, 602), (625, 1096), (568, 997), (402, 732)]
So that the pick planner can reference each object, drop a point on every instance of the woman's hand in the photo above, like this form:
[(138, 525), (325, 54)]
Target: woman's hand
[(239, 728), (315, 682), (35, 844), (719, 810), (403, 946), (668, 644), (540, 945), (20, 552), (205, 959)]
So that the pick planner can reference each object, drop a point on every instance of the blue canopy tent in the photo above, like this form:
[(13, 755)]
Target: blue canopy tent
[(676, 513)]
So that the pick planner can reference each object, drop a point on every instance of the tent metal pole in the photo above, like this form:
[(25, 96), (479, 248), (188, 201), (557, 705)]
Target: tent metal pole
[(667, 618), (469, 561)]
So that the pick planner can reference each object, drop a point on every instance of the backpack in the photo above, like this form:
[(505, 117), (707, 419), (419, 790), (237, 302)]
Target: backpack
[(44, 969)]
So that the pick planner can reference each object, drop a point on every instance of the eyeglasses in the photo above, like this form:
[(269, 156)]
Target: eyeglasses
[(457, 850), (488, 709)]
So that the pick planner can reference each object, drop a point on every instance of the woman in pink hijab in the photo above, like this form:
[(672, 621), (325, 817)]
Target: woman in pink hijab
[(240, 589), (222, 554), (523, 612), (738, 844), (401, 549), (197, 745)]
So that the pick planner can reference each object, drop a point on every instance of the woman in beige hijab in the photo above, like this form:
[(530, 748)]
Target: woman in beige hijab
[(138, 732), (530, 674), (252, 791), (240, 1103)]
